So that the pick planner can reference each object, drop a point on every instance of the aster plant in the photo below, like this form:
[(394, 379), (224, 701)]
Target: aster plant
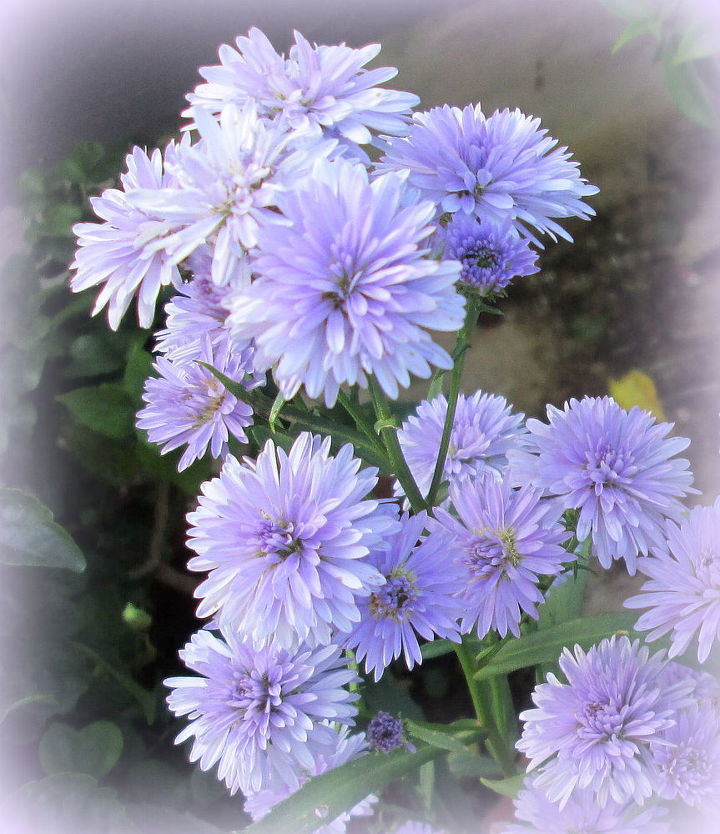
[(303, 288)]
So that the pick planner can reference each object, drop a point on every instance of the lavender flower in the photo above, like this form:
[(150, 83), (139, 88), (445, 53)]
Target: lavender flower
[(616, 467), (417, 598), (491, 255), (386, 733), (320, 88), (683, 593), (346, 748), (187, 404), (483, 431), (582, 813), (257, 712), (503, 542), (122, 253), (226, 184), (687, 756), (285, 540), (597, 730), (495, 168), (345, 290)]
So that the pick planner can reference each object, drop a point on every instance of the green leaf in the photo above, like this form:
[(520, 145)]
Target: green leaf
[(437, 648), (45, 698), (95, 749), (563, 600), (137, 369), (468, 765), (144, 698), (106, 409), (446, 736), (82, 165), (697, 42), (631, 31), (94, 354), (436, 385), (336, 791), (32, 538), (688, 91), (59, 220), (505, 787), (546, 646), (277, 406)]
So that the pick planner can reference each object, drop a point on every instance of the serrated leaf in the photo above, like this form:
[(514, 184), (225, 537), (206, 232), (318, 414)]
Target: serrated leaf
[(339, 790), (546, 646), (106, 409), (95, 749), (31, 537)]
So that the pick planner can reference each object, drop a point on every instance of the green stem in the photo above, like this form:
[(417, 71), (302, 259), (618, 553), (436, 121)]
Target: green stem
[(461, 347), (360, 421), (486, 713), (387, 429)]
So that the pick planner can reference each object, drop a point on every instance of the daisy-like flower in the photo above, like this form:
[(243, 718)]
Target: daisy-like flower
[(687, 756), (346, 290), (483, 431), (259, 713), (496, 167), (537, 815), (285, 539), (316, 88), (596, 731), (617, 467), (503, 542), (683, 592), (491, 255), (196, 313), (417, 598), (347, 747), (122, 253), (187, 403), (226, 184)]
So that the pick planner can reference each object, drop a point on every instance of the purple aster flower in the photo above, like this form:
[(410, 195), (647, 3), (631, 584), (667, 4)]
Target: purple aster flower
[(597, 730), (187, 404), (582, 813), (495, 167), (257, 713), (417, 598), (687, 756), (683, 593), (491, 255), (285, 539), (347, 747), (122, 253), (483, 431), (226, 184), (345, 290), (315, 88), (386, 733), (504, 541), (616, 467)]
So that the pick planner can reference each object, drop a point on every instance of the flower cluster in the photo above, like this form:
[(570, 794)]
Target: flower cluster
[(299, 270)]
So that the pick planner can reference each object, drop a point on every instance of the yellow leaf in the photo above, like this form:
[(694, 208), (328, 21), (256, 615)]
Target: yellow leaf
[(637, 389)]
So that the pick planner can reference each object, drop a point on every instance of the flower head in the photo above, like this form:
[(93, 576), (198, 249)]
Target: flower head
[(496, 168), (483, 430), (503, 542), (417, 598), (596, 731), (491, 255), (582, 813), (122, 253), (285, 539), (617, 467), (386, 733), (683, 592), (187, 403), (345, 290), (226, 184), (258, 713), (316, 88)]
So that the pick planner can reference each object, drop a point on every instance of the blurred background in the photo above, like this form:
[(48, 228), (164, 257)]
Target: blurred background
[(631, 307)]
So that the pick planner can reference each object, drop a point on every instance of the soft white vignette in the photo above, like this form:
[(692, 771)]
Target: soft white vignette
[(50, 49)]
